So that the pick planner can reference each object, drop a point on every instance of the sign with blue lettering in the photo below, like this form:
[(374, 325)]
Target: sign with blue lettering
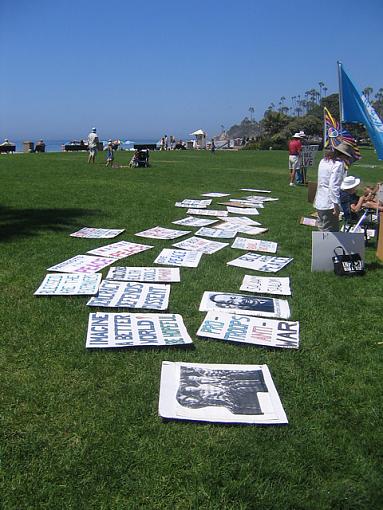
[(244, 304), (64, 284), (170, 257), (107, 330), (250, 330), (219, 393), (112, 294)]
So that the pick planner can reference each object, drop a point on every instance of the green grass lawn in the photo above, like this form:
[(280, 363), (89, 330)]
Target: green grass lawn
[(80, 429)]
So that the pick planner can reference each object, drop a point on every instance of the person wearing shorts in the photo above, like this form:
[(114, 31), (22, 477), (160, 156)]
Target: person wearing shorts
[(295, 149), (92, 145)]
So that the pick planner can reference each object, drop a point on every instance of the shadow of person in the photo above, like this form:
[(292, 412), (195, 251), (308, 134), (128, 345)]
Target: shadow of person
[(15, 222)]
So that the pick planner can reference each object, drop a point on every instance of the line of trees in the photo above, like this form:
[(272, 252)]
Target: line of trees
[(301, 112)]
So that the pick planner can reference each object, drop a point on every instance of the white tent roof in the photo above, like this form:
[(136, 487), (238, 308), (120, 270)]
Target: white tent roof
[(198, 132)]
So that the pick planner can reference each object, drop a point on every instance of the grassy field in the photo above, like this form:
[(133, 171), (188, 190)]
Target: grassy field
[(80, 429)]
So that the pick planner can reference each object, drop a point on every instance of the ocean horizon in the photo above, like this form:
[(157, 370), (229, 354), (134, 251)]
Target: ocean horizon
[(53, 145)]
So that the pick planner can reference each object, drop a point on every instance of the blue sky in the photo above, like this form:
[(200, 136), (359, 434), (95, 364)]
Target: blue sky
[(143, 69)]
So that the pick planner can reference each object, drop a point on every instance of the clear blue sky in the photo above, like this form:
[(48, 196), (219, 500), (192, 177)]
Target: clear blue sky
[(143, 69)]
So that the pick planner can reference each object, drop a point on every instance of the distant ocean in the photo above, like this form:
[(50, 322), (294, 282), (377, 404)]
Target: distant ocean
[(56, 145)]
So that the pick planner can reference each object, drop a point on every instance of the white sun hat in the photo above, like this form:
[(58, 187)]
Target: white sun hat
[(350, 182)]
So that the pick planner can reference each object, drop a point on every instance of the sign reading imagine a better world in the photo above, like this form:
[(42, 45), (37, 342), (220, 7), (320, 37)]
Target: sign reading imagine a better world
[(107, 330)]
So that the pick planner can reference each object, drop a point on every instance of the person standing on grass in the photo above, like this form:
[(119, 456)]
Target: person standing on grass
[(331, 172), (109, 154), (295, 149), (92, 145)]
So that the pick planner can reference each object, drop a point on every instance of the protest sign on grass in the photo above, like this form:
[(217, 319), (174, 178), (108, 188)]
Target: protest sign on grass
[(120, 250), (66, 284), (219, 393), (244, 304), (112, 294), (82, 264), (250, 330), (144, 274), (97, 233), (117, 330)]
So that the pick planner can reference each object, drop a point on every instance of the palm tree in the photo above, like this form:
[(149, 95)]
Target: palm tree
[(321, 85), (325, 89), (251, 110), (367, 92)]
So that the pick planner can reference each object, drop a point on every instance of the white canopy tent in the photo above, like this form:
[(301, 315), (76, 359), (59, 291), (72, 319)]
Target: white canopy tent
[(200, 139)]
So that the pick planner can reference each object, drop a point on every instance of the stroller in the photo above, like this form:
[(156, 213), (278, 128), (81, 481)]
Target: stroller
[(140, 158)]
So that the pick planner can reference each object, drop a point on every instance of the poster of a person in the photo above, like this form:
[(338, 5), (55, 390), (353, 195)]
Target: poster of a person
[(245, 304), (221, 393)]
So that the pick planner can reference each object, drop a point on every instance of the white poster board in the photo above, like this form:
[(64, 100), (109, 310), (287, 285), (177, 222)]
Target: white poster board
[(112, 294), (66, 284), (162, 233), (219, 393), (181, 258), (266, 285), (108, 330), (200, 244), (244, 304), (308, 155), (324, 243), (250, 330), (144, 274)]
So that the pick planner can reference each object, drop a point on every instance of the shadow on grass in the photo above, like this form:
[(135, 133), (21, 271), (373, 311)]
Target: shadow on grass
[(28, 222), (374, 266)]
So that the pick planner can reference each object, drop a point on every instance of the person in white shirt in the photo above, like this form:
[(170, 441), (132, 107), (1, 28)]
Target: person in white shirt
[(331, 172), (92, 145)]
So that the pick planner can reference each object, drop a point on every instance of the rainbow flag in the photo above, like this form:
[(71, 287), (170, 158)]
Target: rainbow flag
[(334, 135)]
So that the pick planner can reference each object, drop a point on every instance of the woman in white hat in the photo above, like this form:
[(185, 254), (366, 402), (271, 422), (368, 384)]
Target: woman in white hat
[(351, 203), (331, 172)]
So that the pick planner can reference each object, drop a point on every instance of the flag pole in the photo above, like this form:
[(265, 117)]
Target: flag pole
[(341, 119)]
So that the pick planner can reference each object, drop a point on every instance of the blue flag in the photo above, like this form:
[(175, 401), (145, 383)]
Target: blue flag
[(356, 108)]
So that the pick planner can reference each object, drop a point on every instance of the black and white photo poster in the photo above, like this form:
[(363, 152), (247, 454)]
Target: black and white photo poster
[(250, 330), (258, 262), (266, 285), (113, 294), (144, 274), (116, 330), (219, 393), (67, 284), (244, 304)]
